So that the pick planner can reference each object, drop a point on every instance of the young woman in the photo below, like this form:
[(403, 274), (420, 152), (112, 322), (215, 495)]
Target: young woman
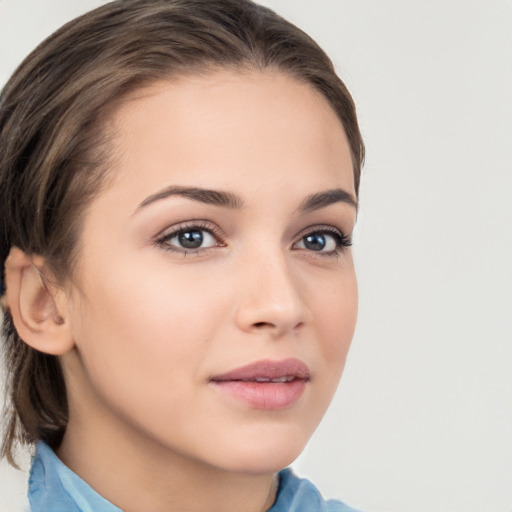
[(179, 185)]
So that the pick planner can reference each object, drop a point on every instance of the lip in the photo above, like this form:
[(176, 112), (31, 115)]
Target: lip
[(265, 384)]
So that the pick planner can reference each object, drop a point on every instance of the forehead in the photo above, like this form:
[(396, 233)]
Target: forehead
[(230, 128)]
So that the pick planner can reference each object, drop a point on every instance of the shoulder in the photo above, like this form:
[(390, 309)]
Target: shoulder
[(300, 495)]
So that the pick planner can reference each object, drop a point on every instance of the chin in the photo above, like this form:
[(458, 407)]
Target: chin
[(268, 452), (264, 462)]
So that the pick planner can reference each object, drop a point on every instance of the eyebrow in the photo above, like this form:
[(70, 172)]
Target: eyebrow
[(323, 199), (230, 200), (203, 195)]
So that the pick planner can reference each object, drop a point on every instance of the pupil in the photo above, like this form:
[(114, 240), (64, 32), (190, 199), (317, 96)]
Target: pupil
[(314, 242), (191, 239)]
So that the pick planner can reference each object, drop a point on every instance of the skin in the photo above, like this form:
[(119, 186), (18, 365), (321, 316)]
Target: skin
[(149, 324)]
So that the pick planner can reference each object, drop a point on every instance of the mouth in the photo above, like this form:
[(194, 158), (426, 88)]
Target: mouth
[(270, 385)]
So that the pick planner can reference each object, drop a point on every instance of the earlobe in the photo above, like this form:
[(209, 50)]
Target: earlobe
[(34, 306)]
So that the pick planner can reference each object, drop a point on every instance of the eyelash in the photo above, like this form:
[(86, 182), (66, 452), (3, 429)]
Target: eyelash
[(163, 240), (341, 240)]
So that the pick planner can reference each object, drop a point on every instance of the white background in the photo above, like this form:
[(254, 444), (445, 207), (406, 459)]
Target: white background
[(423, 419)]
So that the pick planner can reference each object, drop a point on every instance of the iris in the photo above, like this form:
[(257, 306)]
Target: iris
[(191, 239), (315, 242)]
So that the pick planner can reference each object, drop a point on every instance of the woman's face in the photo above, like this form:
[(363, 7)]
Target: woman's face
[(215, 298)]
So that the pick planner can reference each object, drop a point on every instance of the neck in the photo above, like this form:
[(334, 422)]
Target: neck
[(137, 474)]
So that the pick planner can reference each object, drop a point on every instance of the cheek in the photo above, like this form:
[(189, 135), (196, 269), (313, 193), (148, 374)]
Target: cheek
[(335, 316), (147, 330), (155, 301), (142, 355)]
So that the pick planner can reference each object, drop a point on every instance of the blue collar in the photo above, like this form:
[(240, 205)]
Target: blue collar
[(53, 486)]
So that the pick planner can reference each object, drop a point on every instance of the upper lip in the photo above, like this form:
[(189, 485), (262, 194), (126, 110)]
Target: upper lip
[(266, 370)]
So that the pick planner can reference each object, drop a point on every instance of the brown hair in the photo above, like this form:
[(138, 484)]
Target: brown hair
[(54, 153)]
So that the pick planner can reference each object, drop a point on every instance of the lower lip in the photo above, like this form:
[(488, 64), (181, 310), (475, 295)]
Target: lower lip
[(263, 395)]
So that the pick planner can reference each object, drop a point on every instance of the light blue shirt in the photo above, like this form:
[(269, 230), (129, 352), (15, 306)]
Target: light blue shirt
[(54, 487)]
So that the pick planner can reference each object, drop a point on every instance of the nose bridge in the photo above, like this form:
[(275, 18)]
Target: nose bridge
[(271, 297)]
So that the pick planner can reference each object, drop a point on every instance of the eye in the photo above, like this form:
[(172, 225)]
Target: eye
[(189, 238), (325, 241)]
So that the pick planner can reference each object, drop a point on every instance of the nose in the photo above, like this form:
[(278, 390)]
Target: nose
[(270, 298)]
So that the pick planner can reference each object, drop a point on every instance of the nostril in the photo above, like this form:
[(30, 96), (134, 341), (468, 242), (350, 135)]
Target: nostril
[(261, 325)]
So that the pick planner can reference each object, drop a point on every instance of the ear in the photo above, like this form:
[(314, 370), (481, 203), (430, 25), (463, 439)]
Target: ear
[(37, 307)]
